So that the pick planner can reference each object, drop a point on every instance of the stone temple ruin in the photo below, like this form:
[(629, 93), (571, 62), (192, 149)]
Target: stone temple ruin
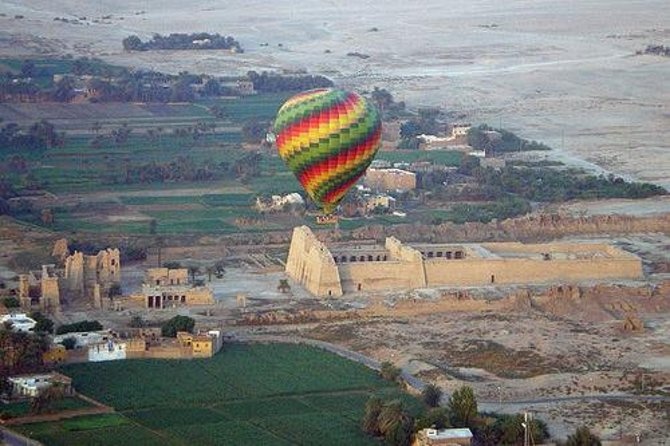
[(84, 277), (171, 288), (341, 269)]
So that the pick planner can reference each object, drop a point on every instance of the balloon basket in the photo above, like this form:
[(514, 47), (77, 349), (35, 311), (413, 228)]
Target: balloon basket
[(326, 219)]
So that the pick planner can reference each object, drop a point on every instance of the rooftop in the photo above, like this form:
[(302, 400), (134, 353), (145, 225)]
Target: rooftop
[(445, 434)]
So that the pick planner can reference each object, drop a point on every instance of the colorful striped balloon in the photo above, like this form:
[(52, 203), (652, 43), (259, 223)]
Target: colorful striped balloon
[(327, 138)]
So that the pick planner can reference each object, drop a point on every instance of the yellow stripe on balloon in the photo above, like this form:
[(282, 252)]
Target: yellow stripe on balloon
[(323, 130)]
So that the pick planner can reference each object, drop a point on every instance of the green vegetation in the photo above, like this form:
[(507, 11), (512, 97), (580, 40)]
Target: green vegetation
[(43, 323), (177, 323), (27, 349), (248, 394), (431, 395), (463, 407), (79, 327), (11, 302), (389, 372), (495, 141), (273, 83), (22, 408), (549, 185), (181, 41), (482, 212)]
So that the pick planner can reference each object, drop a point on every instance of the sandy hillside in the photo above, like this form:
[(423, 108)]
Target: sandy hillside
[(563, 72)]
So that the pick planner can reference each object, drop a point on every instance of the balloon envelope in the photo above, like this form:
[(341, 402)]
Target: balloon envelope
[(327, 138)]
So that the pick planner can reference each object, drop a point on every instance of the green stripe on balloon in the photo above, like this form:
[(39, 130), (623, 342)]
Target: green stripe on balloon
[(340, 141)]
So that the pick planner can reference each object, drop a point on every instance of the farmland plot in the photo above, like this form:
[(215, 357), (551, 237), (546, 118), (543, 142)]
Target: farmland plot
[(276, 394)]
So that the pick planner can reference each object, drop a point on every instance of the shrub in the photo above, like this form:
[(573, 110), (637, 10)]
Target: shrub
[(431, 395), (11, 302), (79, 327), (389, 372), (177, 323)]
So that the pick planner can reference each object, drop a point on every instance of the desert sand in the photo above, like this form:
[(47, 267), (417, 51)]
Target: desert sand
[(563, 72)]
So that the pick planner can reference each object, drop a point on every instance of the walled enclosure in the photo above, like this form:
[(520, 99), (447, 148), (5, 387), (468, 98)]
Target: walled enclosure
[(397, 266)]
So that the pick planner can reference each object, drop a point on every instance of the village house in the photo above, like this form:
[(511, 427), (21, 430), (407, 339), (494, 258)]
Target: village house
[(19, 322), (443, 437), (387, 180), (31, 386)]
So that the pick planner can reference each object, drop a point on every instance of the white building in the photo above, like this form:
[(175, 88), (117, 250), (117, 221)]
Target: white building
[(19, 321), (277, 202), (107, 351), (84, 338), (444, 437), (32, 385)]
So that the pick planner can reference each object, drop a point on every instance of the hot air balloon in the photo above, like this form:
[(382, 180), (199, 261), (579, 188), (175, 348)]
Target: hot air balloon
[(327, 138)]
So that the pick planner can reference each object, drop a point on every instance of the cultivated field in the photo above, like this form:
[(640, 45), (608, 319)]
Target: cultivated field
[(247, 394)]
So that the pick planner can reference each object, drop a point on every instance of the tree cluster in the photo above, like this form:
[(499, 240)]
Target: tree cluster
[(657, 50), (21, 352), (40, 136), (389, 420), (79, 327), (425, 123), (494, 141), (182, 41), (177, 323), (387, 106), (550, 185), (272, 82)]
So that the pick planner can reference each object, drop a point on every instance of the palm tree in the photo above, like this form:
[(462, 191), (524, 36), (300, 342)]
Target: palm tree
[(210, 270), (373, 408), (283, 286), (431, 395), (390, 416), (193, 270), (463, 406)]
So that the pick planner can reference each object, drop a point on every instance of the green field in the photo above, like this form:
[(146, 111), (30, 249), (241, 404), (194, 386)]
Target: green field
[(277, 394), (22, 408)]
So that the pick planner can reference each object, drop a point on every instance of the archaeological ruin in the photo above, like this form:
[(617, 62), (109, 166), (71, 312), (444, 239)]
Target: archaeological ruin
[(348, 268), (83, 277), (171, 288)]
